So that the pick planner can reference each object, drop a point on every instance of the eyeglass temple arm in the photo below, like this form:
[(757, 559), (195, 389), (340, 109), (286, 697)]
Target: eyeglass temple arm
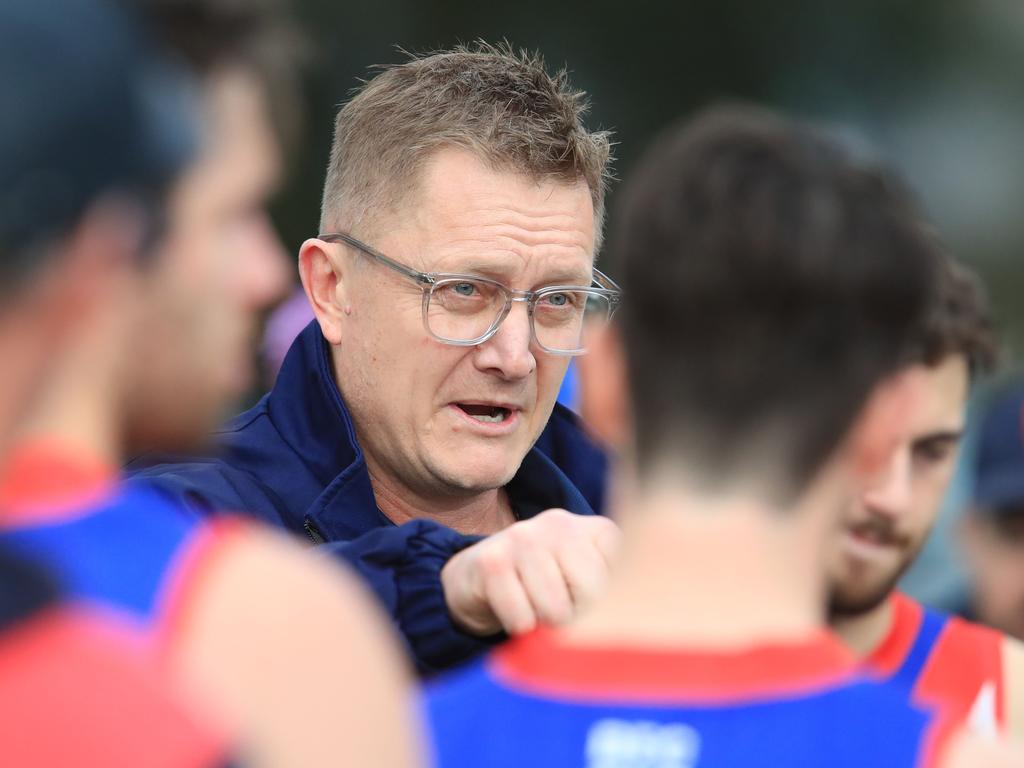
[(615, 293), (334, 237)]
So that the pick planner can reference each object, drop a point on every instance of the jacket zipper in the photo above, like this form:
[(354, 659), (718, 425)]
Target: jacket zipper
[(313, 532)]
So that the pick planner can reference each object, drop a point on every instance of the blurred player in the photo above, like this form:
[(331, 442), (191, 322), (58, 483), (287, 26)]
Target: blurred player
[(992, 529), (772, 284), (277, 648), (973, 673), (78, 187)]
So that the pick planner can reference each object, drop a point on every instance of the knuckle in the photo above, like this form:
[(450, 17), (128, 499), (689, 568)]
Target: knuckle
[(493, 561)]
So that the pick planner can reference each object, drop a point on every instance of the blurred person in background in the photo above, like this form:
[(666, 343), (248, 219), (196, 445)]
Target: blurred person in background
[(971, 673), (95, 129), (992, 530), (773, 285), (462, 212), (162, 339)]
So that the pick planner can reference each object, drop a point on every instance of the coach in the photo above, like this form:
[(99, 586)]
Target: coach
[(413, 428)]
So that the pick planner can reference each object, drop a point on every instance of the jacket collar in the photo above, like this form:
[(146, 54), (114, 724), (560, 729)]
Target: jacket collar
[(308, 412)]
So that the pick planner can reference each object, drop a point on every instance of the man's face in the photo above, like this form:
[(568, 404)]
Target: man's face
[(422, 408), (218, 267), (886, 526)]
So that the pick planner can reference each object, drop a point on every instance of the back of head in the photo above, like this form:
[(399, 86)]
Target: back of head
[(772, 280), (500, 104), (88, 111), (959, 322)]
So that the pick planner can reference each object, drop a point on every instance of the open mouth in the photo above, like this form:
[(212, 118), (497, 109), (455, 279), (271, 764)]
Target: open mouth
[(489, 414)]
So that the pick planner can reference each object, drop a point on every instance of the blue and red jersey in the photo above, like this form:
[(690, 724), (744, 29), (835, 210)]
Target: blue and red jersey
[(76, 690), (541, 701), (129, 551), (945, 663)]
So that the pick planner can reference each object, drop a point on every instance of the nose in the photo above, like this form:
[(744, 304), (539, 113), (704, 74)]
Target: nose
[(890, 492), (264, 277), (509, 352)]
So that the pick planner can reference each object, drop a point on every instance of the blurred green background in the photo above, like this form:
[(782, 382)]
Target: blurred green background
[(935, 86)]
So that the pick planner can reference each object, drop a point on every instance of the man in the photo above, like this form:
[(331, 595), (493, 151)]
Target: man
[(992, 530), (226, 611), (754, 251), (462, 210), (973, 674)]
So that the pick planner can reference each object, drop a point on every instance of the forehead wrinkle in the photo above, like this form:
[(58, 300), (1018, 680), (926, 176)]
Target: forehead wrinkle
[(507, 256), (516, 230)]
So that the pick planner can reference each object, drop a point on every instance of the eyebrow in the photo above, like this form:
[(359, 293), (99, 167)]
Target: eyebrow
[(946, 436), (499, 273)]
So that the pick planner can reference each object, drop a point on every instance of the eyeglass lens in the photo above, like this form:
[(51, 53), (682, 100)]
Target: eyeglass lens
[(462, 309)]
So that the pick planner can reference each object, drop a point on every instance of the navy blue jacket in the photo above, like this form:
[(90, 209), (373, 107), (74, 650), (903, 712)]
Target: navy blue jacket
[(293, 461)]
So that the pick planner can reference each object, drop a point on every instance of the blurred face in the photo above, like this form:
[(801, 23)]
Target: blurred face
[(995, 552), (886, 526), (219, 266), (442, 419)]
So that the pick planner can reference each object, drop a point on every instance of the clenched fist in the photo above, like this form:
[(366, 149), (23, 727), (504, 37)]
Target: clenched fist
[(538, 570)]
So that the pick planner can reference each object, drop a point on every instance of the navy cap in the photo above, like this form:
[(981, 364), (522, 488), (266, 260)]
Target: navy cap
[(88, 106), (999, 462)]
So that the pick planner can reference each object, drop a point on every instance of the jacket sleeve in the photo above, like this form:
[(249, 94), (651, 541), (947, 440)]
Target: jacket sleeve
[(402, 565)]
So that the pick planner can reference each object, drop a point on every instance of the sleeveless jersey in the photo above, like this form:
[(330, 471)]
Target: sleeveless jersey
[(130, 550), (73, 690), (539, 702), (945, 662)]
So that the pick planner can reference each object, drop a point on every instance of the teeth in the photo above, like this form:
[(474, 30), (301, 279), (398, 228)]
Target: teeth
[(495, 416)]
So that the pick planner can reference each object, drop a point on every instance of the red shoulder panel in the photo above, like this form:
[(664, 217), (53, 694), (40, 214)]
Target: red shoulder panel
[(74, 691), (964, 676)]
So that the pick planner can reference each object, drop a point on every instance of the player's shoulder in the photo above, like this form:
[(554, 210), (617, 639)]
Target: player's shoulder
[(967, 650)]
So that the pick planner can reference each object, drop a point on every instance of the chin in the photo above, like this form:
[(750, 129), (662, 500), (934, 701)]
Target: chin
[(857, 599), (478, 479)]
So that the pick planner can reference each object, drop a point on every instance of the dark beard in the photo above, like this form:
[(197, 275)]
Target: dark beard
[(842, 604)]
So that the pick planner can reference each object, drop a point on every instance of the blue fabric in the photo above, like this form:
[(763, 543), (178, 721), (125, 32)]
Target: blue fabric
[(293, 461), (474, 720), (121, 554), (932, 624)]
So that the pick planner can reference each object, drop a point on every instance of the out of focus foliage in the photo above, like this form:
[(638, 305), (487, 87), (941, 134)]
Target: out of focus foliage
[(935, 86)]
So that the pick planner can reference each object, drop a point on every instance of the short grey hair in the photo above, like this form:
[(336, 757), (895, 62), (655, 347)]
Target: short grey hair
[(496, 102)]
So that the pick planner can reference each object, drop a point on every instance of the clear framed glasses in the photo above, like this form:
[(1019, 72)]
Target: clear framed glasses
[(466, 310)]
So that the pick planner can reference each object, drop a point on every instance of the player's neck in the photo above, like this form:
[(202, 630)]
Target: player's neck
[(78, 403), (700, 573), (863, 633)]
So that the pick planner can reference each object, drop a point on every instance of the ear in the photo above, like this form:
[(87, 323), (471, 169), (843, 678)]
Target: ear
[(884, 422), (603, 388), (322, 280)]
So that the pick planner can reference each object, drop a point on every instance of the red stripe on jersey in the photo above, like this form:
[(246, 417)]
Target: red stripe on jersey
[(47, 480), (892, 652), (966, 658), (188, 575), (74, 692), (544, 663)]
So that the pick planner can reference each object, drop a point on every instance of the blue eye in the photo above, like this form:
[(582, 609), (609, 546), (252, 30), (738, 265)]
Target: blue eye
[(558, 299), (464, 289)]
